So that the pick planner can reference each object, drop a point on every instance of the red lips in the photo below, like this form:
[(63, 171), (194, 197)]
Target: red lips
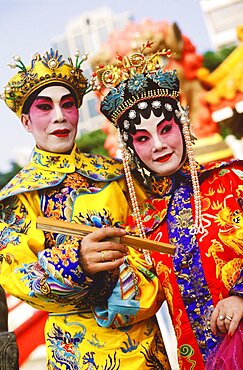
[(61, 133), (164, 158)]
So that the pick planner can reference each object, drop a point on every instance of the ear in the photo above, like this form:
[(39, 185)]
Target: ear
[(25, 120)]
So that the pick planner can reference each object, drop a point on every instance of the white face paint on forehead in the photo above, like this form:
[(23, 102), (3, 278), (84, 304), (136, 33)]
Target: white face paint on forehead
[(150, 123), (54, 92)]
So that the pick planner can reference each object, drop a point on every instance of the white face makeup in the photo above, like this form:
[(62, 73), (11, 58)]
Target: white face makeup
[(53, 120), (158, 143)]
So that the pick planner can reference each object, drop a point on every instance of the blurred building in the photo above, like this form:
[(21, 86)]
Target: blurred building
[(87, 33), (222, 17), (90, 31)]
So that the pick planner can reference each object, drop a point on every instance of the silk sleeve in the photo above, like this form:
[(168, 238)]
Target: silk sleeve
[(137, 295), (45, 278)]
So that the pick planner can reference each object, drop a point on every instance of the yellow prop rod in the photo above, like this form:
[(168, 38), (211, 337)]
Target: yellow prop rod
[(79, 230)]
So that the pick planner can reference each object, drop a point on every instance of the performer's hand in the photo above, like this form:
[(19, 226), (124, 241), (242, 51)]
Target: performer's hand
[(97, 254), (227, 315)]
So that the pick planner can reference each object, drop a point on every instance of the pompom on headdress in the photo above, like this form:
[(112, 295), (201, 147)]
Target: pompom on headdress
[(135, 82), (43, 71)]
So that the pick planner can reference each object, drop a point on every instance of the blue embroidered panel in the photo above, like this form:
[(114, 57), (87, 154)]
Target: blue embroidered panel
[(189, 271)]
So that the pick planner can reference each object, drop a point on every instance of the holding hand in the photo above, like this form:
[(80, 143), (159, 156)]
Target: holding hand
[(99, 254), (227, 315)]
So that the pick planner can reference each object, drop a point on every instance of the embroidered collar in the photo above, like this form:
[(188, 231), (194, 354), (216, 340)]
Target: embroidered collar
[(94, 166), (165, 185), (49, 169), (63, 163), (154, 209)]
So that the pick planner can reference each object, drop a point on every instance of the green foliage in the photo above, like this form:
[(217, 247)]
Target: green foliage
[(92, 142), (6, 177), (225, 129), (232, 126), (212, 59)]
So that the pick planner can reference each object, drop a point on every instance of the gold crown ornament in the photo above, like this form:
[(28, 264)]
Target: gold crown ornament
[(43, 71), (133, 79)]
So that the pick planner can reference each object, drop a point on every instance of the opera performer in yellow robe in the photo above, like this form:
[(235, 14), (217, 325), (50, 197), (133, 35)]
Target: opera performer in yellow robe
[(50, 271)]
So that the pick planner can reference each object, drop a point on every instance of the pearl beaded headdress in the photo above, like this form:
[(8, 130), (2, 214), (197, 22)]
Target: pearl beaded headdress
[(135, 83), (43, 71)]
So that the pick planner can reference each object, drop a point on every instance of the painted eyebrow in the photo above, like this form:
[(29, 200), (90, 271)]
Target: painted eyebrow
[(50, 99), (141, 130)]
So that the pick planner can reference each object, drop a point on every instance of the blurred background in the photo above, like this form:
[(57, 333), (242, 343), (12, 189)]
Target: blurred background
[(207, 39)]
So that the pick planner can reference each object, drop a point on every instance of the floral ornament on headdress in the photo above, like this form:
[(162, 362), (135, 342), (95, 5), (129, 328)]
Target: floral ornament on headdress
[(129, 66), (43, 71), (135, 78)]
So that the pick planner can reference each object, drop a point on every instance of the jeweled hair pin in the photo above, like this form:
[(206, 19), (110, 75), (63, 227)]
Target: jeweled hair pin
[(128, 66), (136, 77)]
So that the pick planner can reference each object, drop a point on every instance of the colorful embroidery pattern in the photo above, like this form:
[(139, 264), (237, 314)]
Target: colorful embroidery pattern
[(193, 284), (44, 270), (46, 171)]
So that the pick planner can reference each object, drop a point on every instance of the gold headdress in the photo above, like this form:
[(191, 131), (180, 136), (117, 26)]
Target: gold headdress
[(133, 79), (42, 71)]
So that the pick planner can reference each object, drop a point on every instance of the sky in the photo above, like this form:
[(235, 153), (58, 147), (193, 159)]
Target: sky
[(28, 26)]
